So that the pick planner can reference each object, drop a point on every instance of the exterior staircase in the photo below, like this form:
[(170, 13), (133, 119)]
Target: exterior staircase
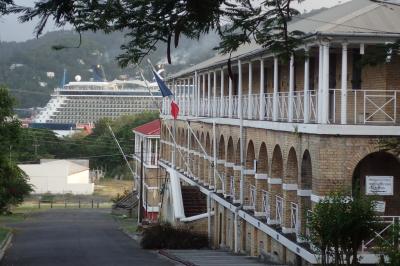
[(194, 202)]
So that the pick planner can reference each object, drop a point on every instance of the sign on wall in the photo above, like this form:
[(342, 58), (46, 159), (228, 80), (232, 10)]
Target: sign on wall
[(379, 206), (379, 185)]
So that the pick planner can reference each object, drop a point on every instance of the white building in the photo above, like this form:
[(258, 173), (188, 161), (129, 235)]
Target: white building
[(59, 176)]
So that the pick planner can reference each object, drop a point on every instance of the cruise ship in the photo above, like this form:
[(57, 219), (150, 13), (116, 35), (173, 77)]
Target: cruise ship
[(85, 102)]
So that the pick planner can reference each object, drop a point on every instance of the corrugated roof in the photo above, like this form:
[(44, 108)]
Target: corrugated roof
[(356, 16), (149, 129)]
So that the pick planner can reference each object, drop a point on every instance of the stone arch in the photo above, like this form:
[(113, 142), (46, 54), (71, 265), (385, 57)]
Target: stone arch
[(250, 155), (277, 163), (221, 148), (208, 144), (305, 181), (262, 162), (378, 166), (230, 151), (237, 153), (292, 168)]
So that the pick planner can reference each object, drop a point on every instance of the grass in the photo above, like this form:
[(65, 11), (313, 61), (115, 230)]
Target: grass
[(12, 218), (109, 188), (3, 233), (128, 224)]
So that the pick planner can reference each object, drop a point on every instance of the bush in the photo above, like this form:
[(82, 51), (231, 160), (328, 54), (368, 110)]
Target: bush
[(164, 236)]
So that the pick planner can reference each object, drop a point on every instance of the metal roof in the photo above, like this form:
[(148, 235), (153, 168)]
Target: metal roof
[(351, 18), (149, 129)]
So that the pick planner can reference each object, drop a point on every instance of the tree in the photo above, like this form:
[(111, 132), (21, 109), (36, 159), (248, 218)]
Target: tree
[(13, 182), (338, 225), (148, 22)]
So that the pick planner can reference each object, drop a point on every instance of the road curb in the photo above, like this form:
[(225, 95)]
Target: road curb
[(5, 244), (175, 258)]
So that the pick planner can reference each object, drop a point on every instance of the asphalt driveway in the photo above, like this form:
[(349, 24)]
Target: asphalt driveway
[(75, 237)]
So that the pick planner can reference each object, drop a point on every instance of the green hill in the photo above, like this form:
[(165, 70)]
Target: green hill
[(24, 66)]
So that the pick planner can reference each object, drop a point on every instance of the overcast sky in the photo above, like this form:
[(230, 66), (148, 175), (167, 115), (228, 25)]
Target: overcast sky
[(12, 30)]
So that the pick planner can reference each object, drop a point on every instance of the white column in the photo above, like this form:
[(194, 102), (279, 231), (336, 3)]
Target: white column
[(262, 96), (250, 102), (222, 93), (275, 96), (230, 102), (209, 94), (291, 89), (215, 95), (320, 82), (203, 107), (193, 95), (148, 151), (183, 89), (240, 107), (325, 86), (343, 117), (188, 105), (197, 82), (306, 86)]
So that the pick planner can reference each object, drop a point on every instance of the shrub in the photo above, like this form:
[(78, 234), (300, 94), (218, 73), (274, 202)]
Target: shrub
[(164, 236)]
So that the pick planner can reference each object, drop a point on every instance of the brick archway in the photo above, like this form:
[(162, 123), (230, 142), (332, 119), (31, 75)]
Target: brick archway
[(277, 163), (379, 166), (291, 173), (262, 162)]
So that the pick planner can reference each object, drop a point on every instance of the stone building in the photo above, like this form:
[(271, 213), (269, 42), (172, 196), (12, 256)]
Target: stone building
[(280, 136)]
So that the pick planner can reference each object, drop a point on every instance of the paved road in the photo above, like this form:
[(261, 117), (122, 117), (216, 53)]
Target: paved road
[(216, 258), (75, 237)]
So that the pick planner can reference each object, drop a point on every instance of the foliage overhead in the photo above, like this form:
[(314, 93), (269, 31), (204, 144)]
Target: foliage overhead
[(149, 22)]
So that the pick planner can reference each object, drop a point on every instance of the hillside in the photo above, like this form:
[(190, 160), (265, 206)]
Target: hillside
[(27, 67)]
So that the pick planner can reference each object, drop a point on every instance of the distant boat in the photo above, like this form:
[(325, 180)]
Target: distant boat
[(85, 102)]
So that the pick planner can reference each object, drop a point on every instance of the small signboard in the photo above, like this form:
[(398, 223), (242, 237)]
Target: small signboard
[(379, 185), (380, 206)]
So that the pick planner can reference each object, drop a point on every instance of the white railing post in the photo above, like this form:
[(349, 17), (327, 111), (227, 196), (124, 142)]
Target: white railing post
[(306, 86), (343, 117), (249, 103), (262, 98), (275, 95), (291, 89)]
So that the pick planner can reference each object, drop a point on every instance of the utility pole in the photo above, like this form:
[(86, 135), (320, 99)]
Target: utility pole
[(140, 208)]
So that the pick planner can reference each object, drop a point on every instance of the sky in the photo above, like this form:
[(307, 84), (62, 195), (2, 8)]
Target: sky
[(12, 30)]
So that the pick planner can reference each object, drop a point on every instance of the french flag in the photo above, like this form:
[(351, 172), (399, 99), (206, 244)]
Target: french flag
[(166, 92)]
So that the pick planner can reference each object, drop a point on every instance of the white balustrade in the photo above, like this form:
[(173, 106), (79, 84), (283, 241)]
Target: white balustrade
[(235, 106), (253, 196), (364, 107), (232, 190), (266, 204), (279, 209), (294, 217), (387, 224)]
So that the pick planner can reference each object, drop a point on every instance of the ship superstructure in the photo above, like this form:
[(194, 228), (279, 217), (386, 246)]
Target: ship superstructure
[(87, 102)]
